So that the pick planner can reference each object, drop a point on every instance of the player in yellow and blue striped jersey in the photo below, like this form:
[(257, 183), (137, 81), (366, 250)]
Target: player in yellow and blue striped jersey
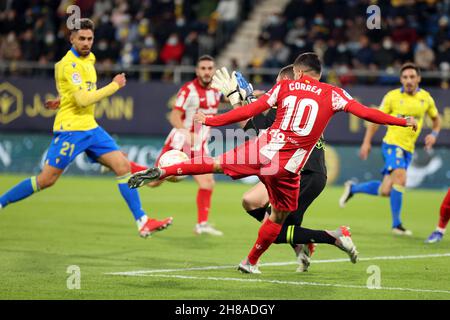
[(398, 143)]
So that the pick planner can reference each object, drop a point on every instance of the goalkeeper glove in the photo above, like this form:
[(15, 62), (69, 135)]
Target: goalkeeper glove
[(228, 85), (247, 87)]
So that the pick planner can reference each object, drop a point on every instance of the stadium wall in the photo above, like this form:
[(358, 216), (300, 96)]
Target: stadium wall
[(25, 153), (141, 109)]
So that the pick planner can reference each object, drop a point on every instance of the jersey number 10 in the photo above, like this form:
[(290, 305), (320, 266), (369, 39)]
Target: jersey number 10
[(300, 116)]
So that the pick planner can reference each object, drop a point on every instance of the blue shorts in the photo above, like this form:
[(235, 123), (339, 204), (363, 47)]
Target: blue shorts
[(66, 145), (394, 158)]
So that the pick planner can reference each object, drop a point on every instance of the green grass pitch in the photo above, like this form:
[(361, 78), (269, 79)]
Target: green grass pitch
[(84, 222)]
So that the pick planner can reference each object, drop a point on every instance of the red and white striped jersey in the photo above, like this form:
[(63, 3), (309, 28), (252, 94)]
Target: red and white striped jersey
[(304, 109), (193, 98)]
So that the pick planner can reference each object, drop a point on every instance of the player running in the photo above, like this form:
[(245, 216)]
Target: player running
[(76, 131), (444, 217), (306, 105), (194, 96), (313, 179), (398, 143)]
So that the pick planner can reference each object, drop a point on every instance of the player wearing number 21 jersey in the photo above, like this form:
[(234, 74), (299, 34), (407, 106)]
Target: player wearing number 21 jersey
[(305, 106)]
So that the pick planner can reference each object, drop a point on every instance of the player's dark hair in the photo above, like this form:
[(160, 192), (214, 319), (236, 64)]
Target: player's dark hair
[(310, 61), (409, 65), (287, 72), (84, 24), (205, 57)]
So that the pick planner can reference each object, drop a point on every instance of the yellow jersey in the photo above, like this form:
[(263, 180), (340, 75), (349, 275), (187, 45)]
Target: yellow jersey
[(400, 104), (74, 73)]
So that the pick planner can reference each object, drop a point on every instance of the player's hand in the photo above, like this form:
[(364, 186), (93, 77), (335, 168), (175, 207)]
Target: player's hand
[(246, 88), (430, 140), (411, 122), (200, 118), (52, 104), (228, 85), (365, 150), (120, 79)]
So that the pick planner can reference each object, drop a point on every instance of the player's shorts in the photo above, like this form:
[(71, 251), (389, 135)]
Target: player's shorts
[(312, 184), (177, 141), (282, 185), (394, 158), (66, 145)]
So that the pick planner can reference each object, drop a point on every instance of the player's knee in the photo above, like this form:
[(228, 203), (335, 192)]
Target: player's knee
[(208, 184), (385, 192), (45, 181), (122, 167), (249, 202)]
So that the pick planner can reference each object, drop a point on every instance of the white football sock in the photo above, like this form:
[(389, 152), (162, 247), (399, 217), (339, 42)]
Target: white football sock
[(141, 221)]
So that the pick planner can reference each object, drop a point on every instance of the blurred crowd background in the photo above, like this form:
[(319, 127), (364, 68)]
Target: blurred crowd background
[(177, 32)]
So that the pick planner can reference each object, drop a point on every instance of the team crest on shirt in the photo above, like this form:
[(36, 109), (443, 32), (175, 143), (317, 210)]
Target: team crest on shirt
[(76, 78), (337, 101)]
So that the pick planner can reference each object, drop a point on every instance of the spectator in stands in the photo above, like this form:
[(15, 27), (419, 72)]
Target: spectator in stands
[(424, 56), (298, 31), (404, 53), (278, 55), (191, 53), (364, 55), (383, 54), (10, 47), (274, 27), (172, 51), (228, 16)]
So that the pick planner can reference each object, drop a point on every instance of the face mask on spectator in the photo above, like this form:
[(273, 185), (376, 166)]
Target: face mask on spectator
[(149, 42), (338, 23), (103, 45), (273, 19), (105, 19), (318, 21), (387, 44), (299, 43), (173, 41), (49, 38), (342, 48)]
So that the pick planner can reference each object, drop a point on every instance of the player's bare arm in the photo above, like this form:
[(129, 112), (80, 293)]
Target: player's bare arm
[(366, 145), (431, 138)]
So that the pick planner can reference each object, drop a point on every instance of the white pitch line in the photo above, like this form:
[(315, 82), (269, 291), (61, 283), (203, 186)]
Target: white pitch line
[(297, 283), (142, 272)]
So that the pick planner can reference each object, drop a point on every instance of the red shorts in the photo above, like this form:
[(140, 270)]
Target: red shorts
[(282, 185)]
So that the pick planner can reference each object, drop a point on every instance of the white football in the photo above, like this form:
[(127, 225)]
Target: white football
[(170, 158)]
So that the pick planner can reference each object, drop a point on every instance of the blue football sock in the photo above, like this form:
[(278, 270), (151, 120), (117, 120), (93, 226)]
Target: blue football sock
[(396, 197), (21, 191), (370, 187), (131, 196)]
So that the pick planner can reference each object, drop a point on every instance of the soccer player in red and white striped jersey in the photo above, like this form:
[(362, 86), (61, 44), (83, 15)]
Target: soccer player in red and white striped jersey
[(193, 97), (305, 106)]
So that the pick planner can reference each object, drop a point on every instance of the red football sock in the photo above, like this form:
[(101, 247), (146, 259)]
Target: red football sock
[(266, 236), (136, 167), (203, 204), (444, 216), (194, 166)]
